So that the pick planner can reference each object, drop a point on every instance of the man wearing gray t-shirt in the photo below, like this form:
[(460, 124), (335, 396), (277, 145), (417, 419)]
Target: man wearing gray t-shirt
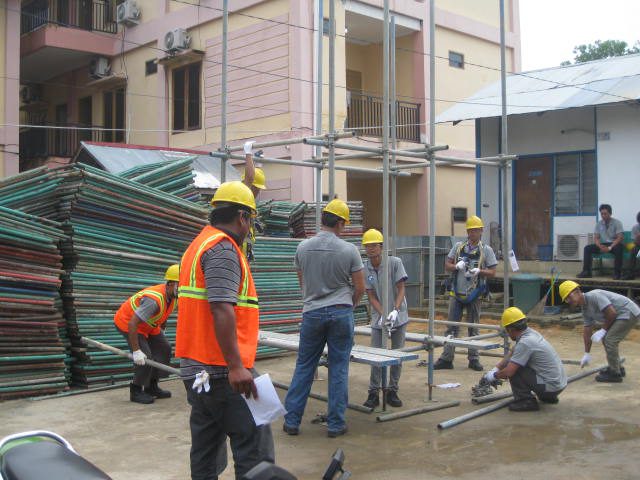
[(326, 268), (533, 366), (470, 263), (616, 313), (635, 250), (608, 234)]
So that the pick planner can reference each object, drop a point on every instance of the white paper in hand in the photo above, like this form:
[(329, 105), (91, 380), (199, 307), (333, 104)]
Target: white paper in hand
[(267, 407)]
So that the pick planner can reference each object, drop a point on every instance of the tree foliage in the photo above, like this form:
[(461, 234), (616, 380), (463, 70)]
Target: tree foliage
[(602, 49)]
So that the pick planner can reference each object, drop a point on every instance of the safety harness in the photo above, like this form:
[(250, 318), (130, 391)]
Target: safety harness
[(476, 286)]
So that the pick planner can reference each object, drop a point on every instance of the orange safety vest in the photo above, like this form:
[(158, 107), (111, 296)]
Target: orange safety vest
[(158, 294), (195, 334)]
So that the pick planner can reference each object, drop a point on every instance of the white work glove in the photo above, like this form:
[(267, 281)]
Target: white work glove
[(586, 360), (201, 382), (599, 335), (139, 357), (461, 265), (490, 376), (248, 147), (474, 271), (392, 317)]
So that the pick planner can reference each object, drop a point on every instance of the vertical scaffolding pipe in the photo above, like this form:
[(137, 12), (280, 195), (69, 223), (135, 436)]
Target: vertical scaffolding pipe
[(332, 98), (385, 163), (394, 134), (506, 233), (319, 86), (432, 184), (223, 125)]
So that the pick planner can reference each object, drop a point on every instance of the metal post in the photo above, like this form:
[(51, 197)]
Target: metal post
[(394, 134), (223, 87), (385, 166), (318, 129), (432, 185), (332, 98), (506, 233)]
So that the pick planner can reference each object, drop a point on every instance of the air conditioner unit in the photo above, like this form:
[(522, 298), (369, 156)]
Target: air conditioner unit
[(177, 39), (30, 93), (571, 247), (128, 13), (99, 67)]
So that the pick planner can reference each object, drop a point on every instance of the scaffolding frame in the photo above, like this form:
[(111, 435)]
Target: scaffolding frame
[(425, 157)]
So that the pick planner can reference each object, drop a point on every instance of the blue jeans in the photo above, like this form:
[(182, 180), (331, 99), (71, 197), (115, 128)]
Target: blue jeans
[(332, 326)]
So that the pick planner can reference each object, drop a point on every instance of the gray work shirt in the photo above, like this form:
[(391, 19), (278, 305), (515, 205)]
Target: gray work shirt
[(608, 233), (635, 230), (463, 283), (373, 281), (597, 300), (533, 351), (147, 309), (326, 263)]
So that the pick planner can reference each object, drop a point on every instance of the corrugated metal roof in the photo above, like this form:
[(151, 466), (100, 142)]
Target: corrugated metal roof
[(116, 158), (599, 82)]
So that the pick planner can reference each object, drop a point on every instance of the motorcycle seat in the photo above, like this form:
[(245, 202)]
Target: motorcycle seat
[(47, 460)]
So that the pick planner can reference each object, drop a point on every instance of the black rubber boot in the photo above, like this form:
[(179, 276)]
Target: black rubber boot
[(154, 390), (373, 400), (525, 405), (475, 365), (607, 376), (443, 365), (138, 395), (392, 399)]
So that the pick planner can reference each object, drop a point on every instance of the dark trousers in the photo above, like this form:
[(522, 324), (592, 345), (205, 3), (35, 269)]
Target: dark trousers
[(617, 251), (216, 415), (632, 263), (524, 381), (155, 347)]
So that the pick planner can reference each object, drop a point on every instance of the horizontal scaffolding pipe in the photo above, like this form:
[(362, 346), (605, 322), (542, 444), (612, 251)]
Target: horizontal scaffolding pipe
[(352, 406), (290, 141), (346, 146), (459, 324), (415, 411), (475, 414), (499, 396)]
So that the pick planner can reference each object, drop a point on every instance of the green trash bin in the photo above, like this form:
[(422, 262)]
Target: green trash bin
[(526, 291)]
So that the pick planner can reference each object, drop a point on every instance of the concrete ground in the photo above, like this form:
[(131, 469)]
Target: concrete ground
[(593, 433)]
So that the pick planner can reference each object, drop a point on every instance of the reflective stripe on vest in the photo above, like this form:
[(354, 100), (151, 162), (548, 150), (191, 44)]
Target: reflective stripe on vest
[(137, 298)]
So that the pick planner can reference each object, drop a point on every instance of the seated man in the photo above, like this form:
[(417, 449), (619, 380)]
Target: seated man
[(532, 366), (608, 236), (635, 233)]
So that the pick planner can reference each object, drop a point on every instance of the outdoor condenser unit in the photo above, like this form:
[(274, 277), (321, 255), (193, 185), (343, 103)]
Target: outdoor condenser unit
[(128, 13), (177, 39), (571, 247), (99, 67)]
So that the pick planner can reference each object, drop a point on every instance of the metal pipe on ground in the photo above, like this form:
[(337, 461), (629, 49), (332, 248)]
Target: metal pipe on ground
[(415, 411), (572, 378), (317, 396)]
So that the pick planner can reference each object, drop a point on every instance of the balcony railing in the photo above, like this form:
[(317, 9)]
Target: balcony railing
[(98, 15), (56, 141), (364, 115)]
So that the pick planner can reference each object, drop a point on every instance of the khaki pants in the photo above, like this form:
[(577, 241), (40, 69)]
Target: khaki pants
[(616, 333)]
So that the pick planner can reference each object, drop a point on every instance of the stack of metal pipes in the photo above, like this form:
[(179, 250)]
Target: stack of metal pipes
[(281, 219), (32, 328)]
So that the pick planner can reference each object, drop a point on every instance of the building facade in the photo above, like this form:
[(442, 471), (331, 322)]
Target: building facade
[(86, 76)]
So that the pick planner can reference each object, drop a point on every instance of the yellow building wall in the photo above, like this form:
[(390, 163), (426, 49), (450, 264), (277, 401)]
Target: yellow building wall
[(481, 10), (456, 84), (3, 36), (455, 187)]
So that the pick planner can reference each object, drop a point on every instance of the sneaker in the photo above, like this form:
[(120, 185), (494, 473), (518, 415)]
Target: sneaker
[(392, 399), (443, 365), (584, 274), (154, 390), (607, 376), (524, 405), (476, 365), (373, 400), (337, 433), (290, 430), (551, 399)]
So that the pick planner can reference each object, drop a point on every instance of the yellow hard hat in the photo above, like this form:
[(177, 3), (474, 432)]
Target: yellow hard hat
[(338, 208), (259, 179), (630, 245), (234, 192), (372, 236), (566, 288), (512, 315), (173, 273), (474, 222)]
